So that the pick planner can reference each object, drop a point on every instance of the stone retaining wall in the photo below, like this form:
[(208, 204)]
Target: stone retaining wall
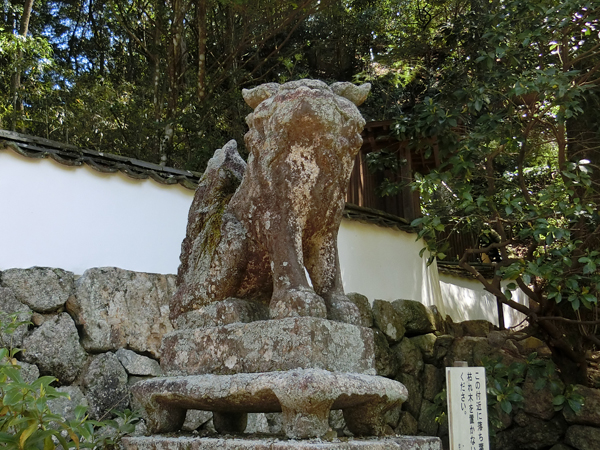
[(101, 332)]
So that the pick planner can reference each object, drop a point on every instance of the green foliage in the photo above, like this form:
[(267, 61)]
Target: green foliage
[(26, 421), (507, 94), (505, 386)]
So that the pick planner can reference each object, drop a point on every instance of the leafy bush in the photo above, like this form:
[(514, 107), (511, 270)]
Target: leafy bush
[(505, 383), (26, 421)]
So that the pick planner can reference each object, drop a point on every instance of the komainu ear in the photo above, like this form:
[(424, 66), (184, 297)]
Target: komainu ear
[(254, 97), (356, 94)]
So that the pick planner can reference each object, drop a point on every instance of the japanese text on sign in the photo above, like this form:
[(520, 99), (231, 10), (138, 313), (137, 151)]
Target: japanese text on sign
[(467, 408)]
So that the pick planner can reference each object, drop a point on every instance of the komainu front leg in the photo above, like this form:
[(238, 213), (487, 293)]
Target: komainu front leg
[(323, 266), (292, 294)]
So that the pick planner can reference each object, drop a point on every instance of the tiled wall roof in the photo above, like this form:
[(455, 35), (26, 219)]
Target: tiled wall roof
[(69, 155)]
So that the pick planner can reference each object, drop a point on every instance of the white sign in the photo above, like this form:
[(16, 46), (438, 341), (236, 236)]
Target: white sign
[(467, 408)]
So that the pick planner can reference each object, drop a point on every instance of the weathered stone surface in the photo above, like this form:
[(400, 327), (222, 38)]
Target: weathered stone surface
[(138, 365), (409, 357), (265, 346), (561, 447), (414, 386), (105, 384), (433, 381), (441, 346), (417, 318), (10, 305), (41, 288), (462, 350), (29, 372), (286, 212), (590, 412), (38, 319), (529, 345), (388, 320), (392, 416), (195, 443), (65, 406), (122, 309), (407, 424), (194, 419), (230, 310), (537, 434), (305, 397), (426, 344), (477, 328), (583, 438), (364, 308), (440, 323), (497, 338), (54, 348), (426, 422), (385, 361), (269, 423), (219, 182), (537, 403), (337, 422)]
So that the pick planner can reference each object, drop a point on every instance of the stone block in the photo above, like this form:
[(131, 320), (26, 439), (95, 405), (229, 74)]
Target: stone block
[(426, 344), (271, 345), (583, 438), (407, 424), (230, 310), (589, 414), (537, 434), (386, 363), (433, 381), (54, 348), (414, 386), (10, 305), (41, 288), (197, 443), (427, 415), (138, 365), (105, 384), (477, 328), (122, 309), (417, 318), (65, 406), (409, 357), (364, 308), (388, 320)]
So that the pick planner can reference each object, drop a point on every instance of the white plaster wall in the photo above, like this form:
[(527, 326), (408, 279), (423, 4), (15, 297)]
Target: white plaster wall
[(465, 299), (384, 263), (76, 218)]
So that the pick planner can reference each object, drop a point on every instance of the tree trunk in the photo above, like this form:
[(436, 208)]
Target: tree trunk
[(16, 77), (201, 23)]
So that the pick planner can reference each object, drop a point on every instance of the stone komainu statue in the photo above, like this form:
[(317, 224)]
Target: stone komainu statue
[(253, 228)]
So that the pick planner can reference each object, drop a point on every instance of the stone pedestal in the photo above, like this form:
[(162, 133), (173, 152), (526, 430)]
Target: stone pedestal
[(269, 345), (230, 443), (305, 396), (303, 367)]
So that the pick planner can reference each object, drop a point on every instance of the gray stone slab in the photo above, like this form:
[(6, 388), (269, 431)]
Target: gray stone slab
[(270, 345), (196, 443), (305, 396)]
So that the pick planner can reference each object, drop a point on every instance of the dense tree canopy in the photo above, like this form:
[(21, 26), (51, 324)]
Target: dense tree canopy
[(507, 91), (161, 80)]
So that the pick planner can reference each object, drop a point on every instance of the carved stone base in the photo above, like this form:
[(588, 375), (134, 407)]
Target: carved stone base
[(305, 396), (269, 345), (196, 443)]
